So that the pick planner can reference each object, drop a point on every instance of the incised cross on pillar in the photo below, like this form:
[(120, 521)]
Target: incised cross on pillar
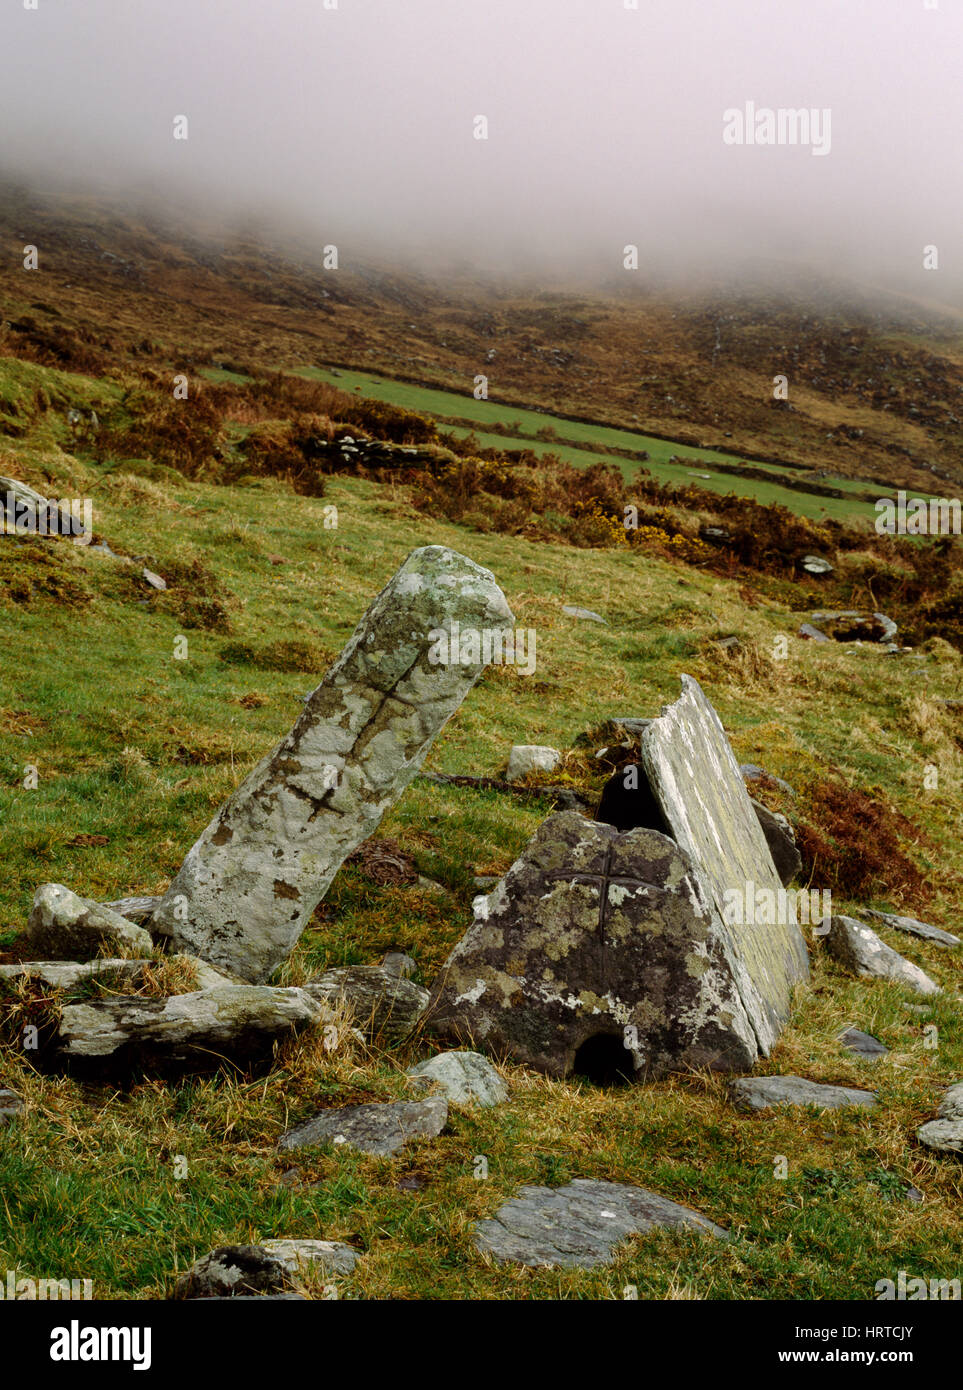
[(602, 881)]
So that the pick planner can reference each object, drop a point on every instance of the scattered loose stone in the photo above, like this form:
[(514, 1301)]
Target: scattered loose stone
[(911, 925), (233, 1271), (372, 1129), (752, 772), (399, 964), (781, 839), (943, 1136), (815, 564), (383, 1005), (155, 581), (251, 882), (486, 882), (762, 1092), (11, 1105), (586, 614), (811, 633), (137, 909), (63, 926), (531, 757), (333, 1256), (951, 1106), (860, 950), (862, 1044), (239, 1021), (466, 1078), (22, 506), (578, 1226), (67, 974)]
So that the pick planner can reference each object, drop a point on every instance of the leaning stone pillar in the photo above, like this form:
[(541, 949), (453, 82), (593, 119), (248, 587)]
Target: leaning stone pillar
[(251, 882)]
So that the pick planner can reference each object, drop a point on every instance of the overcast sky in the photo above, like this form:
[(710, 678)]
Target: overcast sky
[(605, 124)]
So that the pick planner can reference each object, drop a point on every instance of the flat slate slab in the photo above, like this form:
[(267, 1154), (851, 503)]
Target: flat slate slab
[(380, 1129), (763, 1092), (862, 1044), (911, 925), (696, 780), (578, 1226)]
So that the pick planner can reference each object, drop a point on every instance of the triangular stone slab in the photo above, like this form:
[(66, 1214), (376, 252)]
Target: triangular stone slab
[(696, 781)]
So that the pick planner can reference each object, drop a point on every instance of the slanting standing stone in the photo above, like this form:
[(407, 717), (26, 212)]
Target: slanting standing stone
[(63, 926), (383, 1005), (137, 909), (945, 1134), (762, 1092), (578, 1226), (595, 940), (249, 885), (696, 780), (237, 1021), (861, 951), (372, 1129), (913, 927), (465, 1078)]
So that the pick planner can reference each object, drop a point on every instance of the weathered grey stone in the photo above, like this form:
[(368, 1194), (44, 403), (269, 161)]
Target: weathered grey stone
[(137, 909), (862, 1044), (266, 1270), (696, 780), (812, 634), (531, 757), (399, 964), (11, 1105), (63, 926), (752, 772), (250, 883), (68, 974), (913, 927), (944, 1136), (762, 1092), (332, 1256), (951, 1106), (206, 975), (781, 839), (382, 1004), (572, 610), (599, 940), (578, 1226), (465, 1078), (373, 1129), (860, 950), (239, 1021)]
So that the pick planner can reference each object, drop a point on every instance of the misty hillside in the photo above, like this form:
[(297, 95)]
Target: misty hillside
[(875, 384)]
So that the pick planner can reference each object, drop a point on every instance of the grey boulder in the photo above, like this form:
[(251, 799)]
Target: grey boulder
[(945, 1133), (578, 1226), (233, 1271), (63, 926), (237, 1021), (382, 1004), (763, 1092), (862, 1044), (860, 951), (372, 1129), (465, 1078)]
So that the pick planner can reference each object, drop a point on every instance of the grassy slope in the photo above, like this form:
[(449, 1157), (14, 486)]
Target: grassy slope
[(138, 747)]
